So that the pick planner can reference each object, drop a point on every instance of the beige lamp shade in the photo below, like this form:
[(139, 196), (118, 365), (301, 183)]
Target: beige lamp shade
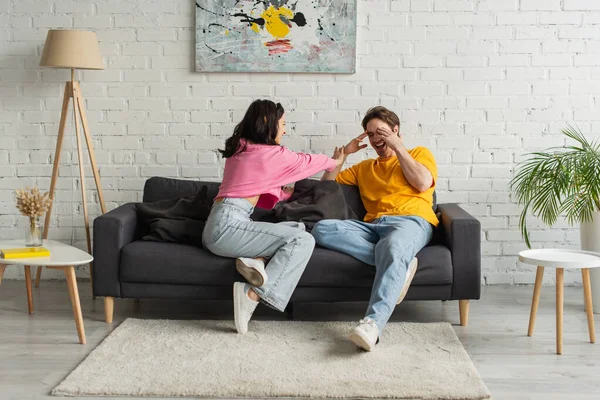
[(71, 49)]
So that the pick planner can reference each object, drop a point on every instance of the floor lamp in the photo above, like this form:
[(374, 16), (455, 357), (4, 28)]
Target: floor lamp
[(73, 50)]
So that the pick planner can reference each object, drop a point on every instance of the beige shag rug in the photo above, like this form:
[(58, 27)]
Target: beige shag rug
[(165, 358)]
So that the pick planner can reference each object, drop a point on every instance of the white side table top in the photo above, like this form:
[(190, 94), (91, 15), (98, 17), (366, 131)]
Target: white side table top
[(560, 258), (60, 254)]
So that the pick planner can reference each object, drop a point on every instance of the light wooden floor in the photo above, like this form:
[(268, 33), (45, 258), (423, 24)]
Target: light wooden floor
[(38, 351)]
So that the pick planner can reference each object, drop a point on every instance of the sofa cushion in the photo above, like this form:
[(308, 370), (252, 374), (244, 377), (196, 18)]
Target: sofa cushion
[(157, 262), (162, 262), (158, 188), (331, 268), (352, 196)]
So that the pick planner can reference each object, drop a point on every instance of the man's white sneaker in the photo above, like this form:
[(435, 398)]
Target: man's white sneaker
[(366, 334), (253, 270), (243, 307), (410, 274)]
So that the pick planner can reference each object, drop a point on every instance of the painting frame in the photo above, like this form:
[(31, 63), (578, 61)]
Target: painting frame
[(285, 36)]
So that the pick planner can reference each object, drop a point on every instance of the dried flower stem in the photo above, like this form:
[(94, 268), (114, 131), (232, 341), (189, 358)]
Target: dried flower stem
[(32, 203)]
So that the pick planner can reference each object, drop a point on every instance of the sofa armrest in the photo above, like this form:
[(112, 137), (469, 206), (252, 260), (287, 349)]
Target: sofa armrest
[(112, 231), (462, 234)]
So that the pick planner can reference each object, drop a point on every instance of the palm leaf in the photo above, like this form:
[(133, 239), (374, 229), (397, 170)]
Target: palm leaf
[(523, 224)]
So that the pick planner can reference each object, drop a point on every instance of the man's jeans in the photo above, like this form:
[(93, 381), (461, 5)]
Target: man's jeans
[(229, 232), (389, 243)]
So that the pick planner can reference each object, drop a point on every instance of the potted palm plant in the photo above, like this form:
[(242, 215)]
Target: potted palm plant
[(564, 181)]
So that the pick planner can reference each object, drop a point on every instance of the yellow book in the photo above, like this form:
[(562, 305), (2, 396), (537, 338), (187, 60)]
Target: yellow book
[(24, 252)]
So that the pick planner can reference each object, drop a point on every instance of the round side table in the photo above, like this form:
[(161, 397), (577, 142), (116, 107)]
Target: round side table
[(62, 256), (561, 259)]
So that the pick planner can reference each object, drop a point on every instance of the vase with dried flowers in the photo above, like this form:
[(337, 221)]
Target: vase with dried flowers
[(32, 203)]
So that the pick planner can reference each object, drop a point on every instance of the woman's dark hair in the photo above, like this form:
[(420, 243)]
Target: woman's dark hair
[(259, 126)]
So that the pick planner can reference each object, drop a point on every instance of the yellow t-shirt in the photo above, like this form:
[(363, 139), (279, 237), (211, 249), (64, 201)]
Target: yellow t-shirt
[(385, 191)]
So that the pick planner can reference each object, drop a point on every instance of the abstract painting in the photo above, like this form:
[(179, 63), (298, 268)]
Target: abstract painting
[(276, 36)]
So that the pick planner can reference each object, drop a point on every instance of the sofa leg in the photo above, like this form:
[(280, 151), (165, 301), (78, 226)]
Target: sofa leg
[(463, 306), (137, 305), (109, 307)]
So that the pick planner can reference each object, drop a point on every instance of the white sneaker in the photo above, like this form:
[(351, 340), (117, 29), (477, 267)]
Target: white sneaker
[(243, 307), (410, 274), (365, 335), (253, 270)]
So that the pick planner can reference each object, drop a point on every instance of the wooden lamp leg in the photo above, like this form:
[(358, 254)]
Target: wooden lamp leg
[(539, 276), (59, 141), (81, 171), (72, 90), (90, 147)]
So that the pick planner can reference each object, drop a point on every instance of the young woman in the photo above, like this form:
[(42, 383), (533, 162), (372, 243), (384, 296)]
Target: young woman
[(256, 170)]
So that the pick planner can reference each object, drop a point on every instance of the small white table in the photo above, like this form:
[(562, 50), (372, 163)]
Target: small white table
[(561, 259), (62, 256)]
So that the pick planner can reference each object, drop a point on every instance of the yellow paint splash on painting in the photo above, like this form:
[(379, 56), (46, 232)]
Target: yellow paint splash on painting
[(275, 26), (255, 27)]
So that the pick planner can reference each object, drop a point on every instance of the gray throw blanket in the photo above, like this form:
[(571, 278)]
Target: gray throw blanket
[(311, 202), (178, 220)]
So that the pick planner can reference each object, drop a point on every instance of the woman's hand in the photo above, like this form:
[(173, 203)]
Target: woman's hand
[(339, 156), (355, 145)]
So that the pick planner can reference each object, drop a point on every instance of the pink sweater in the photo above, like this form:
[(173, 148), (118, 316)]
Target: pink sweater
[(263, 169)]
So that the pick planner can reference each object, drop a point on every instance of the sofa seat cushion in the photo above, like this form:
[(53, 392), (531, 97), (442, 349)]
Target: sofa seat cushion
[(331, 268), (172, 263), (162, 262)]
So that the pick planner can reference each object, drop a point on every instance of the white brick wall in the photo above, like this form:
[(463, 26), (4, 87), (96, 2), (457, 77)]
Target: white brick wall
[(480, 82)]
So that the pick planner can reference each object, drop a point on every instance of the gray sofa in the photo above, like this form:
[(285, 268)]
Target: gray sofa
[(127, 267)]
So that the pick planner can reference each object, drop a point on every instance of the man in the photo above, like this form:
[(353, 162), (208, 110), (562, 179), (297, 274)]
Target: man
[(396, 189)]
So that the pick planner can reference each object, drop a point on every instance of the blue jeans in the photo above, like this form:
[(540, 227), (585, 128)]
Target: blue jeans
[(229, 232), (389, 243)]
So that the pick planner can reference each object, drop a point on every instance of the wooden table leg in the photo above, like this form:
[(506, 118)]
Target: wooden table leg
[(560, 279), (38, 276), (587, 291), (2, 268), (539, 276), (28, 284), (74, 294)]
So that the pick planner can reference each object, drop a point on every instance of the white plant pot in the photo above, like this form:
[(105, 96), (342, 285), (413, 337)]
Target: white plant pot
[(590, 240)]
